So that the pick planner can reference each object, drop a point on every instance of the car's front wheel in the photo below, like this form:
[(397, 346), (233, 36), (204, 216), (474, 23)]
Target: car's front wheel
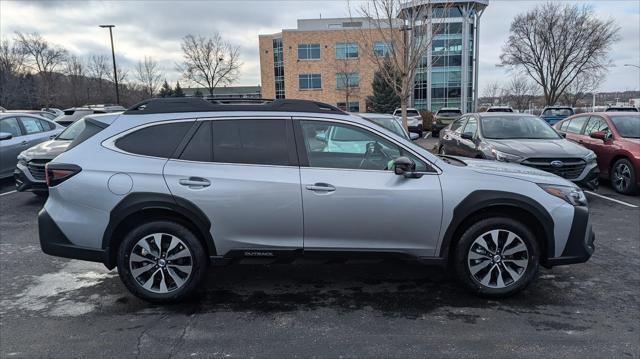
[(161, 261), (623, 177), (496, 257)]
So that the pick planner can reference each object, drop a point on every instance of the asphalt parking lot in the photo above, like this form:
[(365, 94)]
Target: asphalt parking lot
[(54, 307)]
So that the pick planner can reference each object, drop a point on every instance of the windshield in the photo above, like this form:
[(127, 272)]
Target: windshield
[(391, 125), (501, 128), (627, 126), (71, 132), (558, 112)]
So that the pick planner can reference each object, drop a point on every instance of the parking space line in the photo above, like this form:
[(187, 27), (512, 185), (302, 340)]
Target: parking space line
[(613, 200), (2, 194)]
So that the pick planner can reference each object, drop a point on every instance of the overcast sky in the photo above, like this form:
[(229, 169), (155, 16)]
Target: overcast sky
[(155, 29)]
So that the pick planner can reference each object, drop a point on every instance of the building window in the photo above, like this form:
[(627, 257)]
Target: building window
[(309, 81), (278, 68), (344, 79), (452, 11), (346, 50), (381, 49), (349, 107), (308, 51)]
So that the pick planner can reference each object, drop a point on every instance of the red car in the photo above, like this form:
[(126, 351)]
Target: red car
[(615, 138)]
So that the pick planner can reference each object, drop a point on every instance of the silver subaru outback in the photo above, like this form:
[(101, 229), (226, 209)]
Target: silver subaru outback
[(175, 185)]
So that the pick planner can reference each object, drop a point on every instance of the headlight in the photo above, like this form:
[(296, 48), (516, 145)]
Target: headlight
[(572, 195), (591, 157), (505, 157)]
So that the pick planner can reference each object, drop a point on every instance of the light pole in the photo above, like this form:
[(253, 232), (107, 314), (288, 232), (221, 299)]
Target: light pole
[(113, 56)]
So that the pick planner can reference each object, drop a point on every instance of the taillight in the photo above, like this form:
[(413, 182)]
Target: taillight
[(56, 173)]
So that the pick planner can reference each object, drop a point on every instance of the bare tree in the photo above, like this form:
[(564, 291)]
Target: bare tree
[(149, 74), (406, 37), (76, 76), (12, 66), (209, 62), (44, 58), (520, 91), (347, 75), (582, 85), (555, 43), (492, 90)]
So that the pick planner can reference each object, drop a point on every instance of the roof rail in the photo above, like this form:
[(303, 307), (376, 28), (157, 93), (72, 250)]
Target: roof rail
[(196, 104)]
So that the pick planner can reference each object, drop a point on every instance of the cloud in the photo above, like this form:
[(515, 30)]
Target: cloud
[(155, 28)]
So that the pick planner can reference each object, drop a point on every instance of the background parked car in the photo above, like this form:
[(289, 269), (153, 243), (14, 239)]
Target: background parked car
[(56, 111), (29, 173), (389, 122), (556, 113), (414, 120), (523, 139), (19, 132), (45, 114), (73, 114), (500, 109), (621, 109), (615, 138), (444, 117)]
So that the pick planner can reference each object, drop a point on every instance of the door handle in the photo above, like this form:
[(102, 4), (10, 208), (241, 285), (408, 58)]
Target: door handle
[(320, 187), (24, 143), (195, 182), (52, 137)]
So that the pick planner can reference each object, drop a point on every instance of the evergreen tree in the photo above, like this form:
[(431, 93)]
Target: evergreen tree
[(198, 93), (384, 98), (177, 91), (165, 90)]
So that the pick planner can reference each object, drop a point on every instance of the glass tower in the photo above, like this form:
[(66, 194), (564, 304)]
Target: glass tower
[(449, 72)]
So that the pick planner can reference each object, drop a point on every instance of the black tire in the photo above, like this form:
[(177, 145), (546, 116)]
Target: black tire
[(625, 168), (435, 133), (198, 261), (462, 249)]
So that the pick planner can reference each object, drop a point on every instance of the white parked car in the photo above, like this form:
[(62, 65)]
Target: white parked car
[(414, 120)]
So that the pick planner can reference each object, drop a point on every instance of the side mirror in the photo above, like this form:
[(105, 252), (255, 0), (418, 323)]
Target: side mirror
[(413, 136), (5, 136), (600, 135), (404, 166), (467, 136)]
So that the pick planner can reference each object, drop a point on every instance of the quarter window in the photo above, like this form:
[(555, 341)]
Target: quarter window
[(309, 81), (346, 50), (308, 51), (471, 127), (261, 142), (331, 145), (156, 141), (10, 125), (575, 126), (457, 125), (200, 146)]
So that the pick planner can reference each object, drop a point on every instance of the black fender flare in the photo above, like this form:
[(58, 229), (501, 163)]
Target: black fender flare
[(485, 200), (143, 201)]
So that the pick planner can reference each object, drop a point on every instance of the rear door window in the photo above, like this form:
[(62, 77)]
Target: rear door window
[(576, 124), (31, 125), (200, 146), (159, 140), (260, 142)]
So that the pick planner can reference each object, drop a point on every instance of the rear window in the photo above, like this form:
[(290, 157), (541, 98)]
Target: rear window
[(412, 113), (69, 112), (156, 140), (449, 112), (71, 132), (576, 124), (557, 112), (251, 141), (500, 110)]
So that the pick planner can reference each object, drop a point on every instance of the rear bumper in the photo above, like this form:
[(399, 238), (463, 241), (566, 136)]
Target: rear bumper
[(416, 128), (580, 244), (436, 127), (55, 243), (26, 182)]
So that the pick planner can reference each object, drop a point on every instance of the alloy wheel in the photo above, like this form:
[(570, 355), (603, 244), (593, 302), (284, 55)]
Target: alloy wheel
[(160, 263), (498, 258), (622, 177)]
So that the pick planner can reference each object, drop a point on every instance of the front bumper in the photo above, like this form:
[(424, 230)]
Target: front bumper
[(54, 242), (580, 244), (26, 182)]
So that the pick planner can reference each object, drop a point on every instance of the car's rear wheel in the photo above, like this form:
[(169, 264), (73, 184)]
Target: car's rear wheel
[(496, 257), (161, 261), (623, 177)]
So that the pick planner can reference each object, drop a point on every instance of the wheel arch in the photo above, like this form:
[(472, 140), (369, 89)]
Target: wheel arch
[(485, 204), (143, 207)]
